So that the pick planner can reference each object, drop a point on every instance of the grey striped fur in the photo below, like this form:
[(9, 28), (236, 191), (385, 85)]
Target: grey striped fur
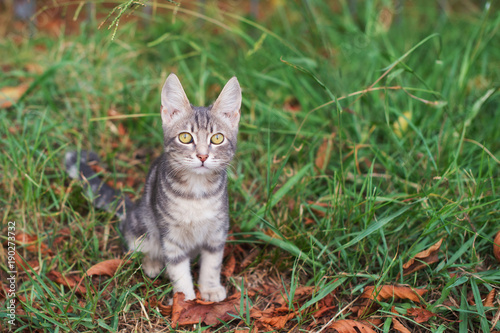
[(184, 209)]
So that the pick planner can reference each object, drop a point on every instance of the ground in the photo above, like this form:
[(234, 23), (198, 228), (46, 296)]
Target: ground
[(365, 191)]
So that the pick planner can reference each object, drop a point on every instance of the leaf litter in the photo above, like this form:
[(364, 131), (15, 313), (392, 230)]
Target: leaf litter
[(272, 310), (422, 259)]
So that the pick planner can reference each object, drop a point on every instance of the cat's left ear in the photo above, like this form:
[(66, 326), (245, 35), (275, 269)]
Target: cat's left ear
[(228, 104)]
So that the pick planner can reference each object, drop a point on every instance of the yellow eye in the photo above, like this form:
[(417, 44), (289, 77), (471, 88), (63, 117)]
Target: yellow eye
[(217, 139), (185, 137)]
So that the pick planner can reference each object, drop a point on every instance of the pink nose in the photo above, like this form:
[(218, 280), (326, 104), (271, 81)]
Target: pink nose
[(202, 157)]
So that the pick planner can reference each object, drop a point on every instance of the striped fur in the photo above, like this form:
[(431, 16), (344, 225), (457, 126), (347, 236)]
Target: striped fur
[(184, 209)]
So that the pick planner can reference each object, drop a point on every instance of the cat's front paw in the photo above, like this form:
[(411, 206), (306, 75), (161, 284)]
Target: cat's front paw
[(214, 294), (152, 267)]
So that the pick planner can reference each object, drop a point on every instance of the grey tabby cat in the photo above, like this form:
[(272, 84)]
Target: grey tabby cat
[(184, 209)]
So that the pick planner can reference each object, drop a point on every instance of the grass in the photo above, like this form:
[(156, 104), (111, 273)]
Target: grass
[(338, 181)]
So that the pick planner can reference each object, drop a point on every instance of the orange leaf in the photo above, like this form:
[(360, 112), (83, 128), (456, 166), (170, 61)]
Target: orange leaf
[(323, 154), (488, 301), (292, 104), (421, 315), (192, 312), (30, 240), (399, 327), (33, 68), (121, 129), (34, 264), (496, 246), (425, 257), (68, 281), (107, 267), (385, 292), (165, 310), (272, 318), (10, 95), (350, 326), (229, 267)]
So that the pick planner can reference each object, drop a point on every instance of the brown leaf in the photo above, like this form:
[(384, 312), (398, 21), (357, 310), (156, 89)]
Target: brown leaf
[(292, 104), (122, 131), (249, 258), (396, 324), (316, 211), (277, 322), (229, 267), (385, 292), (272, 318), (107, 267), (323, 153), (421, 315), (31, 242), (33, 68), (322, 311), (68, 281), (350, 326), (10, 95), (63, 235), (164, 309), (425, 258), (496, 246), (490, 298), (34, 264), (113, 112), (194, 312)]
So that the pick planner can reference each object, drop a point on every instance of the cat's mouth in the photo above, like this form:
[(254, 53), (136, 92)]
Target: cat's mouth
[(201, 168)]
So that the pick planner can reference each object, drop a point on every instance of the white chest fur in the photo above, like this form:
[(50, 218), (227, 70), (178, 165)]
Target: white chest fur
[(198, 220)]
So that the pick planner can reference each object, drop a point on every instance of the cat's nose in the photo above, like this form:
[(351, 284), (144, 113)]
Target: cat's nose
[(202, 157)]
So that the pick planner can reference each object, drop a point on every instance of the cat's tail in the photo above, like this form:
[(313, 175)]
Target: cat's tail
[(103, 196)]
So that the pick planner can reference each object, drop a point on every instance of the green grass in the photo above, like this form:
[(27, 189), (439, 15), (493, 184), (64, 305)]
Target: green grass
[(379, 199)]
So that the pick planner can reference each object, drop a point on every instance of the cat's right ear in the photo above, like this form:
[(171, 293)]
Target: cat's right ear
[(174, 101)]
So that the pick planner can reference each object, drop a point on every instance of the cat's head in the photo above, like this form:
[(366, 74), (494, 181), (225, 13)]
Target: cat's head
[(200, 139)]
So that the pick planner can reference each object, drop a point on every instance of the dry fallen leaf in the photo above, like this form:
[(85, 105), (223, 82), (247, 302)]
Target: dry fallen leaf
[(272, 318), (68, 281), (425, 258), (385, 292), (194, 312), (33, 68), (490, 298), (350, 326), (10, 95), (496, 246), (107, 267), (229, 266), (31, 243), (164, 309), (34, 264), (292, 104), (421, 315), (323, 153), (396, 324)]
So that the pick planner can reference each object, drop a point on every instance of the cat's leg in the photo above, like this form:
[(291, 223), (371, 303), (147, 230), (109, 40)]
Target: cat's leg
[(152, 266), (179, 273), (209, 282), (178, 268)]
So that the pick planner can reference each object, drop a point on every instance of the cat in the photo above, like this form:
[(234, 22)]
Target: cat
[(184, 209)]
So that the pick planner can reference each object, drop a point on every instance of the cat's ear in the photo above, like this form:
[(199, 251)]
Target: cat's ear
[(228, 104), (174, 101)]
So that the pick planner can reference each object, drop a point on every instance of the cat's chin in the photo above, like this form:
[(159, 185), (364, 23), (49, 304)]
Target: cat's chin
[(202, 170)]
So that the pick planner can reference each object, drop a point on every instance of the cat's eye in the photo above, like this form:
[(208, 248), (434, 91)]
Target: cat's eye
[(185, 137), (217, 139)]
